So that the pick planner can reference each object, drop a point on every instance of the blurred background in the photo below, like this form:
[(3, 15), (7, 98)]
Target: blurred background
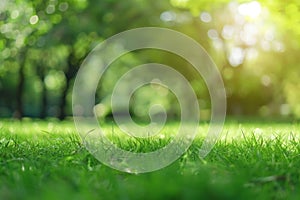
[(255, 44)]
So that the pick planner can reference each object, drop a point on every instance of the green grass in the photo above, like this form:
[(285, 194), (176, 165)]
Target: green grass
[(46, 160)]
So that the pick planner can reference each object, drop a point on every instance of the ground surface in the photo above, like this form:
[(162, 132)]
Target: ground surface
[(46, 160)]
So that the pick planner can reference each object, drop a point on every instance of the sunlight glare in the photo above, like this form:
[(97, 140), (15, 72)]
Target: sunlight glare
[(228, 32), (249, 34), (236, 56), (251, 9)]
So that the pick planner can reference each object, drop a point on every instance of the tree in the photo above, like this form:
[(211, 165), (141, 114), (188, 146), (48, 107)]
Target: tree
[(246, 38)]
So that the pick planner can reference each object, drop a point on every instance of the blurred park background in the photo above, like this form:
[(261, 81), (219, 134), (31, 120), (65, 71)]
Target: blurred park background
[(255, 44)]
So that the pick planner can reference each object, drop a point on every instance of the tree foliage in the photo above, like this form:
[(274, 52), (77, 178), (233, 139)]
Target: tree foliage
[(255, 44)]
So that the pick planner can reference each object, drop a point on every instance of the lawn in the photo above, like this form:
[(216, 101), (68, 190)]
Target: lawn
[(46, 160)]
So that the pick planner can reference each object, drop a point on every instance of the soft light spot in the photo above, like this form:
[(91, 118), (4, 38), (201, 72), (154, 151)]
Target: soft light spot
[(251, 9), (23, 168), (168, 16), (50, 9), (34, 19), (236, 56), (213, 34), (14, 14), (128, 170), (205, 17), (100, 110), (54, 80), (266, 80), (63, 6), (19, 40), (162, 136), (248, 35), (227, 32)]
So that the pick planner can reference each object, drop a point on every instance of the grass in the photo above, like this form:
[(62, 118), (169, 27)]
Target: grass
[(46, 160)]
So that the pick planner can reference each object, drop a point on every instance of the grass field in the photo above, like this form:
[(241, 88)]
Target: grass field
[(46, 160)]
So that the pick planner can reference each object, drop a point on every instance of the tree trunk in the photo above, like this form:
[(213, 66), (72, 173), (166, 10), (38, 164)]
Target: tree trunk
[(43, 112), (70, 72), (20, 86), (63, 103), (44, 102)]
